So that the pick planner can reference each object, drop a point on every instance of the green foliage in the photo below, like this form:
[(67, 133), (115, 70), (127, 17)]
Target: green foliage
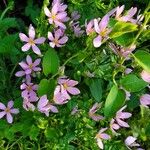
[(132, 83), (114, 101), (50, 62), (121, 28), (142, 58)]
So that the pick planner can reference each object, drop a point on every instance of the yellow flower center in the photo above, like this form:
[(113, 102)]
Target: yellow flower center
[(29, 88), (53, 16), (31, 42), (65, 86), (7, 110), (56, 41), (103, 33), (31, 66)]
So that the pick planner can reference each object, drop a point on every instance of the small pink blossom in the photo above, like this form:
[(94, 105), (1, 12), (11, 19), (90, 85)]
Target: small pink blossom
[(120, 116), (58, 39), (57, 15), (114, 126), (77, 30), (29, 67), (62, 7), (90, 27), (75, 15), (145, 76), (8, 111), (145, 100), (29, 90), (93, 110), (102, 136), (102, 30), (31, 41), (130, 142), (27, 103), (44, 106), (74, 110)]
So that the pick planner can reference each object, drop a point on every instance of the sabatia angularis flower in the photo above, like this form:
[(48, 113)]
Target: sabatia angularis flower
[(102, 30), (145, 76), (58, 39), (29, 90), (45, 107), (93, 110), (61, 6), (56, 16), (145, 100), (31, 41), (120, 116), (130, 142), (27, 103), (68, 87), (114, 126), (102, 136), (90, 27), (8, 111), (28, 67)]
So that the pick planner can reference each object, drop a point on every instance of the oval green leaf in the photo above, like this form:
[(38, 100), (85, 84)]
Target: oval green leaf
[(114, 101), (50, 62)]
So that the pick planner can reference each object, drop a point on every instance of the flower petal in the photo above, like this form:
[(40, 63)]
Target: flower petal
[(23, 65), (2, 106), (97, 41), (130, 140), (42, 102), (104, 22), (20, 74), (122, 123), (96, 26), (2, 114), (47, 12), (40, 40), (14, 111), (105, 136), (29, 60), (52, 44), (73, 90), (31, 32), (26, 47), (23, 37), (10, 104), (36, 50), (9, 118), (100, 143), (63, 40), (37, 62)]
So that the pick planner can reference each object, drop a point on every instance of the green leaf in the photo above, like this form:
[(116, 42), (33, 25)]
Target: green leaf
[(51, 133), (34, 132), (114, 101), (132, 83), (96, 89), (46, 87), (50, 62), (7, 23), (143, 59), (7, 44), (125, 39), (121, 28)]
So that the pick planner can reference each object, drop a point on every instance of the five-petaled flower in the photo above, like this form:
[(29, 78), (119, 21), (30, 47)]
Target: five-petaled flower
[(8, 111), (57, 15), (44, 106), (102, 136), (31, 41), (102, 30), (29, 67), (58, 39), (93, 110)]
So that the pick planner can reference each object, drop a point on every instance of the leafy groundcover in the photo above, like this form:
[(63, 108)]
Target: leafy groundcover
[(74, 75)]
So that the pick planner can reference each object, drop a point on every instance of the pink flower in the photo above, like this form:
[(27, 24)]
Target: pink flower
[(31, 41), (145, 76), (119, 10), (28, 67), (57, 15), (8, 111), (130, 142), (102, 30), (102, 136), (145, 100), (74, 110), (120, 116), (62, 91), (75, 15), (90, 27), (77, 30), (61, 6), (93, 110), (68, 87), (27, 103), (58, 39), (29, 90), (114, 126), (45, 107)]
